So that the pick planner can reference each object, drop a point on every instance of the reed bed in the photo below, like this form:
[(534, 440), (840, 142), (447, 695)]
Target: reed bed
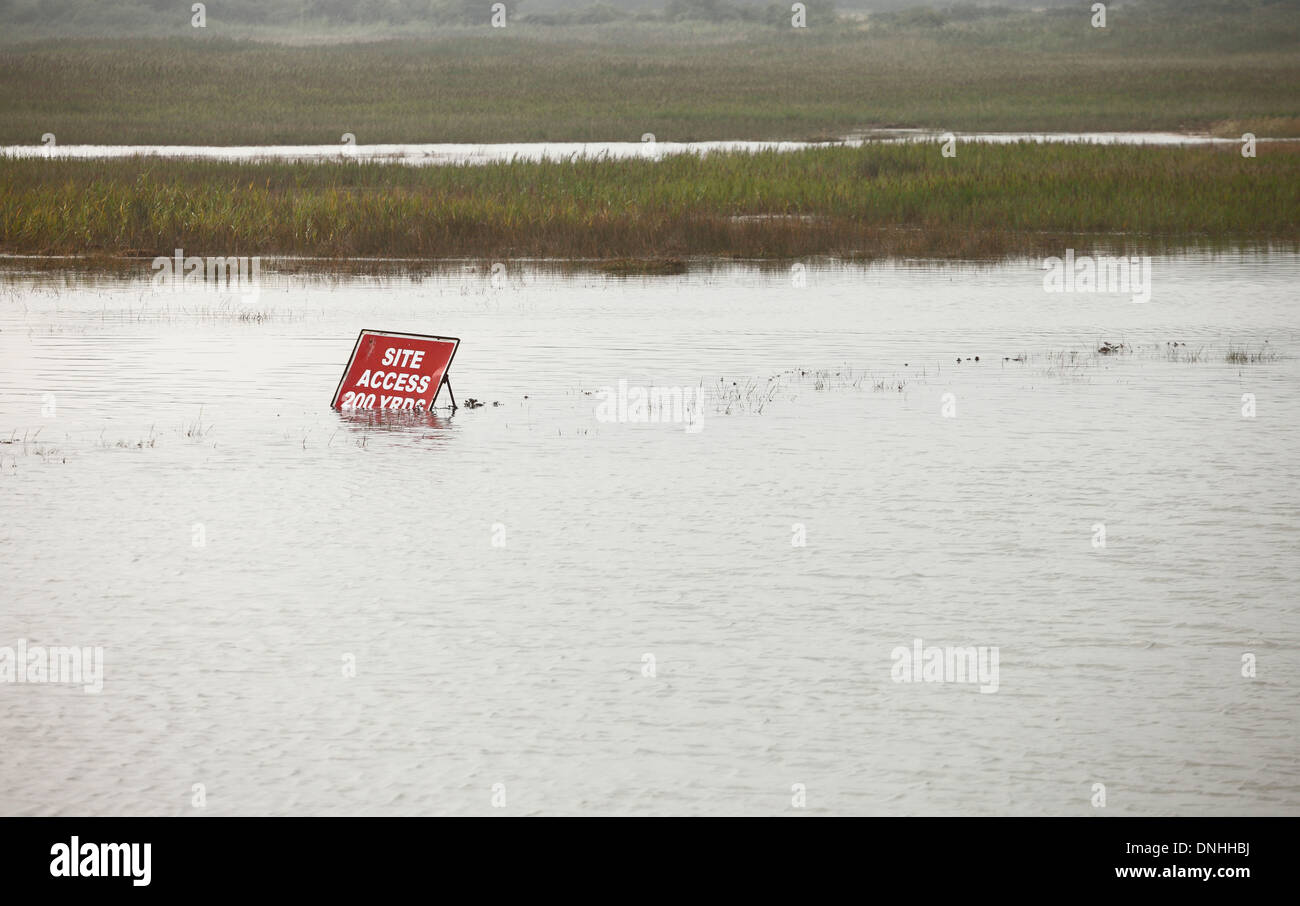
[(899, 200)]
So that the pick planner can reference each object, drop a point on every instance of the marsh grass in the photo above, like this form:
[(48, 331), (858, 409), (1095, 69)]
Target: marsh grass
[(1274, 126), (30, 445), (1074, 362), (1069, 363), (744, 396), (1241, 355), (1159, 66), (29, 437), (146, 313), (144, 443), (631, 267), (196, 430), (902, 200), (824, 379)]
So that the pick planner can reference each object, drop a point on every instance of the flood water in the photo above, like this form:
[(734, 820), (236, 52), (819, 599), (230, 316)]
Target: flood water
[(432, 154), (619, 618)]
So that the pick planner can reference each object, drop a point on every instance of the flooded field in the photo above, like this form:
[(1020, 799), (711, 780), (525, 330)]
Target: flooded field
[(553, 606), (648, 148)]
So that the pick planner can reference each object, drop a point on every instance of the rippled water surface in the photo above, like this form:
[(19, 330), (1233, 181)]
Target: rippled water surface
[(175, 489)]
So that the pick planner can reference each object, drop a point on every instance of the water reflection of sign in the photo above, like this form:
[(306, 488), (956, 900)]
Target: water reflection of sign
[(395, 371)]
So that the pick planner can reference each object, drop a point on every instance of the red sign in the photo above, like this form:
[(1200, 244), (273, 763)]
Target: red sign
[(394, 371)]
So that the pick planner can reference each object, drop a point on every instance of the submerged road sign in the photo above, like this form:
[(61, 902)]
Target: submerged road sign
[(395, 371)]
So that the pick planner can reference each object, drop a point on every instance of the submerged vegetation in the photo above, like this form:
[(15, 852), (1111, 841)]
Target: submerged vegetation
[(1241, 355), (1073, 361), (891, 199)]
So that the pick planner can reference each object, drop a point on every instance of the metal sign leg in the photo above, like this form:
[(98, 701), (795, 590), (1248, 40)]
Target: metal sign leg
[(447, 383)]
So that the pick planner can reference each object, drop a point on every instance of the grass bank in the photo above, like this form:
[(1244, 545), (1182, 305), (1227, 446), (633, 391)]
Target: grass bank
[(1154, 67), (989, 201)]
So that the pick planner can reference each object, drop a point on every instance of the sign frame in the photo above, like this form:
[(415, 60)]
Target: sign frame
[(446, 373)]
